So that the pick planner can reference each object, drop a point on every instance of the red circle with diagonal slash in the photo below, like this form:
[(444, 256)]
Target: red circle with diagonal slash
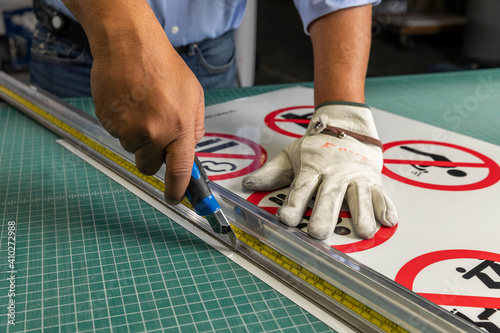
[(492, 178), (272, 120), (382, 235), (407, 274), (258, 158)]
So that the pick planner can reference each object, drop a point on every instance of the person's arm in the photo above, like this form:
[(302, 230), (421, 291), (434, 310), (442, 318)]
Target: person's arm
[(339, 157), (341, 43), (144, 93)]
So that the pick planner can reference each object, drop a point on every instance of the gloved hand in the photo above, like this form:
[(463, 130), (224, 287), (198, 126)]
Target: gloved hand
[(339, 156)]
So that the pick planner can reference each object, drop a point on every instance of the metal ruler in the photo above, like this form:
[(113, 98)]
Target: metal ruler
[(347, 289)]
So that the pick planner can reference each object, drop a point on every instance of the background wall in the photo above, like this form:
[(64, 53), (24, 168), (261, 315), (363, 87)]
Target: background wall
[(284, 52)]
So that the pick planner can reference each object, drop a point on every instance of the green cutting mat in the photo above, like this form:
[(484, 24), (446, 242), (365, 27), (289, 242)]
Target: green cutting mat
[(91, 256)]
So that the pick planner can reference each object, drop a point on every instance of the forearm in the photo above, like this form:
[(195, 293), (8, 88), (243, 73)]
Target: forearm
[(341, 43)]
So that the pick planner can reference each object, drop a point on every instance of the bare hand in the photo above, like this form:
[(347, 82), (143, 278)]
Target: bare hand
[(148, 98)]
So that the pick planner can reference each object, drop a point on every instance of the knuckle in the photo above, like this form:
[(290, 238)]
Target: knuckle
[(199, 135), (109, 126), (147, 163), (145, 140), (125, 145), (147, 167), (178, 171)]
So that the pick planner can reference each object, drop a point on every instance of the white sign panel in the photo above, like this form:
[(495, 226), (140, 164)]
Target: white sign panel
[(445, 186)]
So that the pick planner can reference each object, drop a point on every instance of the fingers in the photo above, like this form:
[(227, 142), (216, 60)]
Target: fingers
[(179, 161), (179, 157), (360, 205), (301, 192), (384, 208), (147, 147), (275, 174), (326, 210), (177, 154), (149, 158), (367, 205)]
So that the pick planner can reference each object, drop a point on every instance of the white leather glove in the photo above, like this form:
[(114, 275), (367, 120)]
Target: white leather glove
[(338, 156)]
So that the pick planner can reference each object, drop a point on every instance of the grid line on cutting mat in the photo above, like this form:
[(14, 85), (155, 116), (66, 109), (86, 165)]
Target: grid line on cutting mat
[(91, 256)]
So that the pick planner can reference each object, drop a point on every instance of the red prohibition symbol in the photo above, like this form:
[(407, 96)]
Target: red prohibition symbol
[(257, 158), (382, 235), (485, 162), (408, 273), (272, 120)]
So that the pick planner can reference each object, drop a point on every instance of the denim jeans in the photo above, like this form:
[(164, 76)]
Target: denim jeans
[(62, 67)]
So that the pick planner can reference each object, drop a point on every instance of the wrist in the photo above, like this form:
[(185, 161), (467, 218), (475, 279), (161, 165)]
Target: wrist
[(355, 117)]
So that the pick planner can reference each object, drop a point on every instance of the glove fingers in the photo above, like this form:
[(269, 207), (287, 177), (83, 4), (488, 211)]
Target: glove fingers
[(275, 174), (301, 191), (326, 210), (359, 200), (384, 208)]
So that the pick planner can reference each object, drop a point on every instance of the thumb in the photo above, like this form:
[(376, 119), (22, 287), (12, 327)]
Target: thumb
[(179, 161), (274, 174), (199, 130)]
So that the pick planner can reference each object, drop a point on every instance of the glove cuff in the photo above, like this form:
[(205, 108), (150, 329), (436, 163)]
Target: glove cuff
[(362, 105), (352, 117)]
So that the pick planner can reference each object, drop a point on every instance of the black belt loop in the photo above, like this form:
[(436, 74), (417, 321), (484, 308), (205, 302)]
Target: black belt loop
[(189, 50), (59, 24)]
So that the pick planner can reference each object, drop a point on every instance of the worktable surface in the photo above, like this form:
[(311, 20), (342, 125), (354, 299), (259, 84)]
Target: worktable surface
[(92, 256)]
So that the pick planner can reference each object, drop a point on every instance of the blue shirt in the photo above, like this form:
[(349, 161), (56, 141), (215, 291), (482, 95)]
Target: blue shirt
[(189, 21)]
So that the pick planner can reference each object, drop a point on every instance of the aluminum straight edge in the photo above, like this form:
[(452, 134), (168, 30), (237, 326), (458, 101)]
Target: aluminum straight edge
[(395, 302), (368, 286)]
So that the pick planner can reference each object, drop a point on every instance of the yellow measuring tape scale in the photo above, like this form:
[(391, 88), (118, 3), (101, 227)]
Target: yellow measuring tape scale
[(304, 274)]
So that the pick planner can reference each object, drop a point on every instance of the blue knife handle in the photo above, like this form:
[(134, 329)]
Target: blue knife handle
[(198, 192)]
